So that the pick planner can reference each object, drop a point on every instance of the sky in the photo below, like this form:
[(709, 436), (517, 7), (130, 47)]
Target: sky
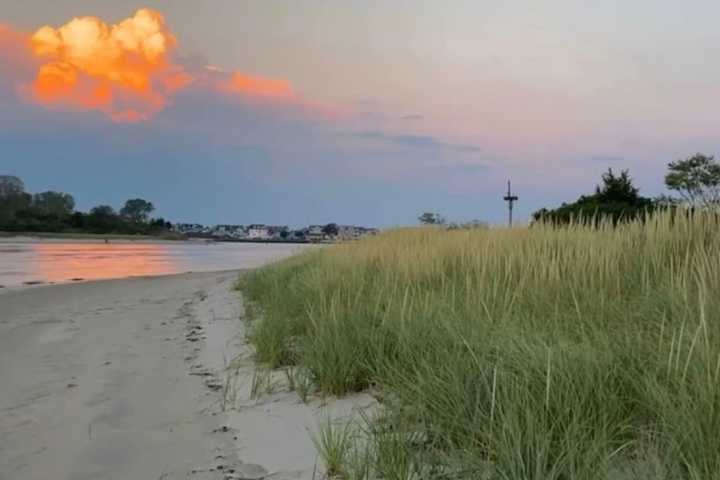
[(357, 111)]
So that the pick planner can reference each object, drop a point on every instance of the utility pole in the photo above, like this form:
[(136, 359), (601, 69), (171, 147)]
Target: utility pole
[(510, 198)]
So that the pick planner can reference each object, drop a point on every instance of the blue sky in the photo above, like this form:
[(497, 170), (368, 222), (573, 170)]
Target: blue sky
[(377, 111)]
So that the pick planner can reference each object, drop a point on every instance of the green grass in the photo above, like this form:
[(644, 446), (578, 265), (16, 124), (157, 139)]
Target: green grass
[(334, 443), (541, 353)]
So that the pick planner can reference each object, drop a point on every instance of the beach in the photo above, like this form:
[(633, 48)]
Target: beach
[(146, 378)]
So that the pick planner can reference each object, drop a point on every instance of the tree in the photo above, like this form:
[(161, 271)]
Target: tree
[(54, 203), (616, 199), (331, 229), (12, 204), (10, 185), (696, 179), (616, 188), (77, 220), (429, 218), (102, 219), (137, 210)]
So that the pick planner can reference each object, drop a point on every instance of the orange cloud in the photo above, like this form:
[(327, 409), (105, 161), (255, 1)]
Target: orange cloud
[(123, 70), (258, 86), (266, 89), (14, 52)]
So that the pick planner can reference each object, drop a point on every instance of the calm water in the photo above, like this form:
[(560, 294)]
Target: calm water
[(56, 261)]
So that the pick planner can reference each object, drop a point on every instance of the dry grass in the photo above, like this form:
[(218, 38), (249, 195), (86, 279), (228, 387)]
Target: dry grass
[(534, 353)]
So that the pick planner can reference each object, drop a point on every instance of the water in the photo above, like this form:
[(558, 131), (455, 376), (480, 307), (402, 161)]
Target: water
[(29, 262)]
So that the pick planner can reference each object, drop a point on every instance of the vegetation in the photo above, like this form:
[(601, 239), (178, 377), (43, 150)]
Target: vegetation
[(334, 444), (331, 229), (616, 199), (137, 210), (583, 352), (429, 218), (696, 179), (55, 212)]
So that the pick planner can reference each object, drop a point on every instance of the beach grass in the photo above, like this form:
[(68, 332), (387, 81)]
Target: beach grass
[(582, 352)]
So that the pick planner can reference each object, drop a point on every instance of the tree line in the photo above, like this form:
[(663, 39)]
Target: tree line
[(696, 181), (55, 212)]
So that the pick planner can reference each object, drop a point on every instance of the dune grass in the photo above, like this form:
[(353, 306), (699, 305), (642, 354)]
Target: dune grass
[(527, 353)]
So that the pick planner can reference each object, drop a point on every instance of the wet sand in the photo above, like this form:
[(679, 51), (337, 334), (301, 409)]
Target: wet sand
[(146, 378)]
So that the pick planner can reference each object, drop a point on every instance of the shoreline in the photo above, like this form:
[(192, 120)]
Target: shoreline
[(36, 285), (26, 238), (53, 262), (148, 377), (83, 237)]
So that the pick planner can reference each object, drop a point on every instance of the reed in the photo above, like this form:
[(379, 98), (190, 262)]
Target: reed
[(580, 352)]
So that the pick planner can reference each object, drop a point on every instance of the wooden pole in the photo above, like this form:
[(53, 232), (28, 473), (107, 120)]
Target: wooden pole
[(510, 198)]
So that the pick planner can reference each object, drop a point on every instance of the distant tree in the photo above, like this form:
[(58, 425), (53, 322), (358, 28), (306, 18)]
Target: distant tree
[(54, 203), (616, 199), (616, 188), (10, 206), (103, 210), (137, 210), (77, 220), (103, 219), (696, 179), (331, 229), (11, 185), (159, 224), (429, 218)]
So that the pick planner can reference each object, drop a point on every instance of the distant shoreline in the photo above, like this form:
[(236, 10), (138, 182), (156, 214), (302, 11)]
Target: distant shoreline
[(22, 237), (86, 236)]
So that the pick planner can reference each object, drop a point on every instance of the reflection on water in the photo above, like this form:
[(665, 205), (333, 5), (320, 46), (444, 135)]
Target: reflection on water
[(59, 263), (56, 261)]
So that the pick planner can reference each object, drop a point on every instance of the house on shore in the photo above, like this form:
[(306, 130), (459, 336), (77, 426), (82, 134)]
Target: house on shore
[(258, 232), (314, 233), (267, 232), (190, 228)]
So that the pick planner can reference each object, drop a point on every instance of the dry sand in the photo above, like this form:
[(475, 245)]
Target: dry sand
[(146, 378)]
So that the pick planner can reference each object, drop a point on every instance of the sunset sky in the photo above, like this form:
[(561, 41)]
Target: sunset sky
[(354, 111)]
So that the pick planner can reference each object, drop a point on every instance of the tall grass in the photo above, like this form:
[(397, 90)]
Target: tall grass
[(541, 353)]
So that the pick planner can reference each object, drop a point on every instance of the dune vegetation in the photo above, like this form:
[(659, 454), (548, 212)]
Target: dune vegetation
[(581, 352)]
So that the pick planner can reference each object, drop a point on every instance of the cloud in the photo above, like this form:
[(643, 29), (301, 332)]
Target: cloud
[(245, 84), (15, 57), (12, 43), (425, 142), (129, 71), (124, 70)]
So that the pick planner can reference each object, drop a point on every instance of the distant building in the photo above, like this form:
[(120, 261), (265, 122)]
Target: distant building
[(190, 228), (348, 232), (258, 232), (10, 185), (262, 232), (229, 231), (314, 233), (278, 232)]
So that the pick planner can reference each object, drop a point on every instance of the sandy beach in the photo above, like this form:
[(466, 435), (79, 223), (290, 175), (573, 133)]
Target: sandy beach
[(146, 378)]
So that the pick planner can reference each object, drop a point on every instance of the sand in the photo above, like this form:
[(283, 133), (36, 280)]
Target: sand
[(147, 378)]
